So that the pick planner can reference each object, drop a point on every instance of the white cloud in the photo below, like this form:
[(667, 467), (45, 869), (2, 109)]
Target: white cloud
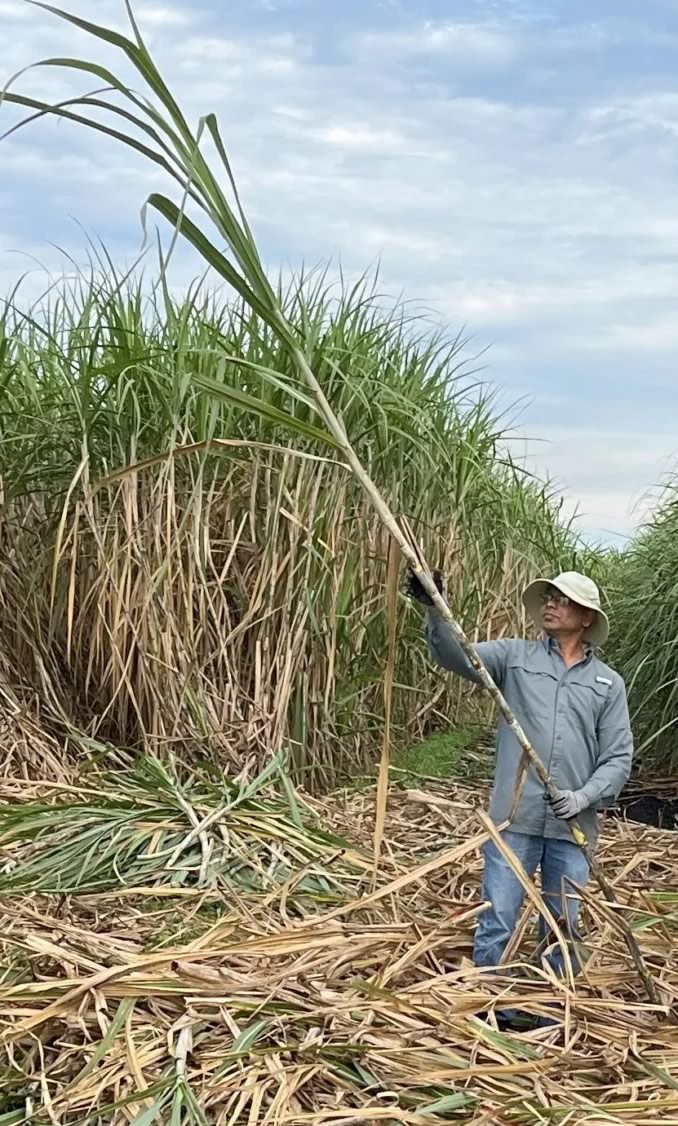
[(360, 135), (381, 239), (268, 53), (608, 477), (589, 299), (162, 16), (11, 9), (465, 43), (660, 335)]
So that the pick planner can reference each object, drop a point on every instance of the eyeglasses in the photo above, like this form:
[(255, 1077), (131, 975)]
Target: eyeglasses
[(556, 597)]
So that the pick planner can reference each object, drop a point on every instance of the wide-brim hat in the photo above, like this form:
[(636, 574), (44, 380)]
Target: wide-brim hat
[(581, 590)]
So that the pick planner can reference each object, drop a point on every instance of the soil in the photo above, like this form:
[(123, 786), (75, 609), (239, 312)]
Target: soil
[(649, 809)]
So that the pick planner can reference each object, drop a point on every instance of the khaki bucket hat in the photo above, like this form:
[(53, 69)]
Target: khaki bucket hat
[(581, 590)]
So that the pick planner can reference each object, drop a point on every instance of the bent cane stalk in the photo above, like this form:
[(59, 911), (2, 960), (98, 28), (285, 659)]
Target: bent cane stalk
[(422, 571), (170, 143)]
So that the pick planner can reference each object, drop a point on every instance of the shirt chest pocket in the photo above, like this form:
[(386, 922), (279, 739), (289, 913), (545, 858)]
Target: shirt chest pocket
[(586, 699), (530, 689)]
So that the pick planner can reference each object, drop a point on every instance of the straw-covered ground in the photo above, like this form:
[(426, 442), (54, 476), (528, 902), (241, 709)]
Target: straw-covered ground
[(188, 563), (251, 970)]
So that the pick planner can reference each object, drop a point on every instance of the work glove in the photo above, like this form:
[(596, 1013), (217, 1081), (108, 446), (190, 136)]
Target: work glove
[(568, 804), (416, 591)]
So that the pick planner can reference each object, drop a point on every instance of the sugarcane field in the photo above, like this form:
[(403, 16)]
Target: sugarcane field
[(338, 735)]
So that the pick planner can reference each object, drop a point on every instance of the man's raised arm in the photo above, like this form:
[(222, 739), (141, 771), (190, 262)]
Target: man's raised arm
[(443, 645)]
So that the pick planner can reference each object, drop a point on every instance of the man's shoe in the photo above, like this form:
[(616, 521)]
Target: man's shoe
[(519, 1022)]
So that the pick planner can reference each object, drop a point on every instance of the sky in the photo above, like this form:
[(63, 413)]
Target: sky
[(510, 166)]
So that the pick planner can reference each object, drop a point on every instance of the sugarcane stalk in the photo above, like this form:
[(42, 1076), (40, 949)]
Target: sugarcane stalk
[(418, 565)]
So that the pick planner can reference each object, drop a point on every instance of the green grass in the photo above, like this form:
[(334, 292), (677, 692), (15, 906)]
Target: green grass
[(460, 754)]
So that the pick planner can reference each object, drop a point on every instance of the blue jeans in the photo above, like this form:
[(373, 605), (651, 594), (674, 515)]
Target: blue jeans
[(559, 861)]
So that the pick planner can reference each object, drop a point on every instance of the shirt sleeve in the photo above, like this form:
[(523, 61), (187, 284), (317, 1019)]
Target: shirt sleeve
[(615, 750), (446, 651)]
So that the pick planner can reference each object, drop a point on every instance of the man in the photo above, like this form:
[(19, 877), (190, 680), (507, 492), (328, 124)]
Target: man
[(573, 709)]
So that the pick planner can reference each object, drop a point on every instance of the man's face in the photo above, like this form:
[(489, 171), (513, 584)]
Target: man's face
[(560, 614)]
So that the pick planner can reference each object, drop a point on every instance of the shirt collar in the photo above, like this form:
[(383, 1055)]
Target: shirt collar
[(552, 646)]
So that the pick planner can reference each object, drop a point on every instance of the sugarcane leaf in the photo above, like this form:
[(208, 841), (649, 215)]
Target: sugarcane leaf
[(263, 409), (112, 37), (447, 1103), (214, 258), (249, 1037), (105, 1044), (151, 1114)]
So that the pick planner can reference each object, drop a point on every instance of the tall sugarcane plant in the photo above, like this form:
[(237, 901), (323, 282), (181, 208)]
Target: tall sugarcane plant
[(164, 136)]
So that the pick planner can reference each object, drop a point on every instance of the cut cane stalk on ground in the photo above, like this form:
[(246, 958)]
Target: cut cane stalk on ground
[(177, 151)]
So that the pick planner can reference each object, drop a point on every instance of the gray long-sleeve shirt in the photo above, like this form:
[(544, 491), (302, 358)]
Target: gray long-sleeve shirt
[(576, 718)]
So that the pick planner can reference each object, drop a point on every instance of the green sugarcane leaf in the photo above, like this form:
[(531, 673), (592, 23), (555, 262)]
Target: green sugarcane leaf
[(263, 409), (456, 1101)]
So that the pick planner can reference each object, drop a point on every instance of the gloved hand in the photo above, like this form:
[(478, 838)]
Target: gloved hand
[(416, 591), (568, 804)]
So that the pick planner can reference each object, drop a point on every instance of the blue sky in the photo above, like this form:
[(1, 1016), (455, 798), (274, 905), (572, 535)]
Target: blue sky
[(512, 165)]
